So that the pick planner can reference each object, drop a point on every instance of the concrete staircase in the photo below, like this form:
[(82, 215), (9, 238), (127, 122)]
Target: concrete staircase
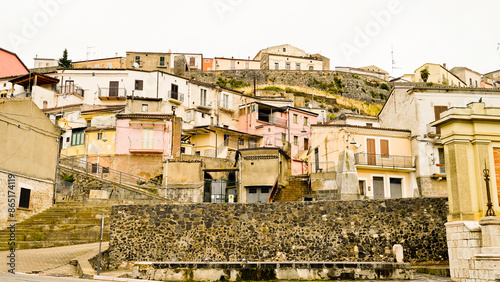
[(66, 223), (297, 188)]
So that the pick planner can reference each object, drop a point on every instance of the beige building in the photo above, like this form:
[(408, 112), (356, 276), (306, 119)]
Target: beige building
[(438, 74), (176, 63), (262, 171), (471, 138), (28, 159), (381, 157), (288, 57), (106, 63), (470, 77)]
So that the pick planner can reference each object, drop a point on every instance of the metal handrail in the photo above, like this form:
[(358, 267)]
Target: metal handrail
[(110, 174), (385, 160)]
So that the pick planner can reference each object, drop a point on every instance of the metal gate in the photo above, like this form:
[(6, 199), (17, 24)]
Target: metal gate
[(220, 192)]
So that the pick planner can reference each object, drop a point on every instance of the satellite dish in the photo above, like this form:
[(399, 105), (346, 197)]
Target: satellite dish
[(136, 65)]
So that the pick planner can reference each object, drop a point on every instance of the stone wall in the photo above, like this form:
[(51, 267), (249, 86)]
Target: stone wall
[(361, 230), (357, 87)]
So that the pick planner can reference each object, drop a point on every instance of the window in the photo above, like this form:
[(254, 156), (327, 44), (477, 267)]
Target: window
[(162, 61), (311, 68), (306, 143), (67, 139), (147, 138), (295, 140), (284, 49), (276, 66), (241, 142), (369, 124), (89, 123), (362, 184), (183, 150), (189, 115), (192, 61), (96, 66), (203, 97), (283, 137), (109, 65), (45, 104), (470, 81), (197, 153), (225, 101), (77, 137), (144, 108), (99, 136), (295, 118), (287, 66), (138, 84), (297, 66), (384, 148), (476, 83), (306, 121), (247, 66), (24, 198), (437, 114), (137, 59), (174, 91)]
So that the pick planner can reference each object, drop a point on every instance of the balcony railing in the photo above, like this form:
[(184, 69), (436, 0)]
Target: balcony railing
[(176, 96), (382, 160), (146, 145), (112, 93), (69, 89)]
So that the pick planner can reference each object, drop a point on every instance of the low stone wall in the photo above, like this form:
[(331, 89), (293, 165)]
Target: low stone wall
[(360, 230)]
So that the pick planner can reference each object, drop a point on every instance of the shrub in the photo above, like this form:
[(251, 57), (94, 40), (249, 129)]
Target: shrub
[(384, 86), (273, 88), (68, 177)]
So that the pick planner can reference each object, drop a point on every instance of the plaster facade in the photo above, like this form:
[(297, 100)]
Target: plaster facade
[(414, 108), (438, 74)]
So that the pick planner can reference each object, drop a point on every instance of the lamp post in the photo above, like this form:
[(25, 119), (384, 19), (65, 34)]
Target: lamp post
[(486, 174)]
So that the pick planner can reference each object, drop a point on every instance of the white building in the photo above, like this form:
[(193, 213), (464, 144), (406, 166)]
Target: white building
[(288, 57), (414, 108)]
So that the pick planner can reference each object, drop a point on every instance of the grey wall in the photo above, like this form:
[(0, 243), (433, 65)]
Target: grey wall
[(360, 230)]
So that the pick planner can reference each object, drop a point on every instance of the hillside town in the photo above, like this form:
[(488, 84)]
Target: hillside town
[(145, 129)]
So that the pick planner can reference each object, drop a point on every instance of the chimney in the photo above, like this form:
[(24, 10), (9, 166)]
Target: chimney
[(444, 65)]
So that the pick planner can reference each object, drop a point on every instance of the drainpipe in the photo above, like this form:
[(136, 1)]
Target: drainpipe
[(157, 82), (57, 168)]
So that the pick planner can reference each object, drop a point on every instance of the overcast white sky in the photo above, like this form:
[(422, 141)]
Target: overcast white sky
[(350, 33)]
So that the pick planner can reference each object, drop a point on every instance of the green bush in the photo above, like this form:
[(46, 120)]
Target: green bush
[(68, 177), (273, 88), (384, 86)]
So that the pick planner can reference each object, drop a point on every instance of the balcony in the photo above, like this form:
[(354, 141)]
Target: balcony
[(175, 97), (385, 161), (146, 146), (112, 93), (272, 120), (69, 89)]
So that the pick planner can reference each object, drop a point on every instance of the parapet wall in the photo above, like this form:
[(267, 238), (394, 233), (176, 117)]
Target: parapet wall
[(360, 230)]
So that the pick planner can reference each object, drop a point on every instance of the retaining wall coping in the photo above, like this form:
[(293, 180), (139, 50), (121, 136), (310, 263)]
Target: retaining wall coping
[(267, 265), (471, 225)]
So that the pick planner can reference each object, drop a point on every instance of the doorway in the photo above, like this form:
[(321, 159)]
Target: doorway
[(396, 187), (258, 194), (378, 187)]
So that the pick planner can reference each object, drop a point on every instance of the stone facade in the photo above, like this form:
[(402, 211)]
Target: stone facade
[(474, 249), (361, 230)]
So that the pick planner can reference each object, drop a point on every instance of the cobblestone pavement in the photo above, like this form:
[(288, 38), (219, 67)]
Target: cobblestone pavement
[(47, 260)]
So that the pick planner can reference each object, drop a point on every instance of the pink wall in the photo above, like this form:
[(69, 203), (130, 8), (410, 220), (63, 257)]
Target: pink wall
[(126, 131), (11, 65)]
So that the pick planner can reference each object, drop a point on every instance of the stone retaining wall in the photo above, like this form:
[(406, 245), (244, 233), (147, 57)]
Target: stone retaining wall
[(361, 230)]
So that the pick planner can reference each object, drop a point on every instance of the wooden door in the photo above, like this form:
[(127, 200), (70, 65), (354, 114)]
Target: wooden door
[(371, 153), (113, 89)]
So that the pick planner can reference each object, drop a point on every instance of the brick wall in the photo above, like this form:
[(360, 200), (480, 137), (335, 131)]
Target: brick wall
[(361, 230)]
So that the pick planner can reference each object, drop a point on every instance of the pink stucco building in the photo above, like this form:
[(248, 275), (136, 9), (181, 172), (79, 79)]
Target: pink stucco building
[(280, 126)]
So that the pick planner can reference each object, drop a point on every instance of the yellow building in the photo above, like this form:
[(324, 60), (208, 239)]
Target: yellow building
[(471, 138), (438, 74), (106, 63), (382, 159)]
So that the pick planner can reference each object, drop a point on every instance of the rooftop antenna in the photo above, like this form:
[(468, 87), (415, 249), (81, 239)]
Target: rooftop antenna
[(393, 61), (87, 56)]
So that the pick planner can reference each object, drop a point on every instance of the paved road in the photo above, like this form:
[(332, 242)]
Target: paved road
[(47, 259), (27, 278)]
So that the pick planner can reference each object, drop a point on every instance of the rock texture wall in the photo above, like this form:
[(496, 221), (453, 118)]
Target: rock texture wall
[(360, 87), (361, 230)]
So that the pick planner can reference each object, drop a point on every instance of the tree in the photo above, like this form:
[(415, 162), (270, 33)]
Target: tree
[(64, 62), (424, 74)]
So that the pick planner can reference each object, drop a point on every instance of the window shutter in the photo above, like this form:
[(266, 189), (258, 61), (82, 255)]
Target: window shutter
[(384, 148), (437, 112)]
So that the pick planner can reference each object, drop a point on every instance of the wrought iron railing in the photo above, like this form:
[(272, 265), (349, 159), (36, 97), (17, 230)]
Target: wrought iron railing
[(385, 160), (107, 173), (69, 89), (112, 92)]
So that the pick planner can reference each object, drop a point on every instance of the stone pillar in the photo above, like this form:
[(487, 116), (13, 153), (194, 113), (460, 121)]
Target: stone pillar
[(490, 228), (464, 242), (347, 176)]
